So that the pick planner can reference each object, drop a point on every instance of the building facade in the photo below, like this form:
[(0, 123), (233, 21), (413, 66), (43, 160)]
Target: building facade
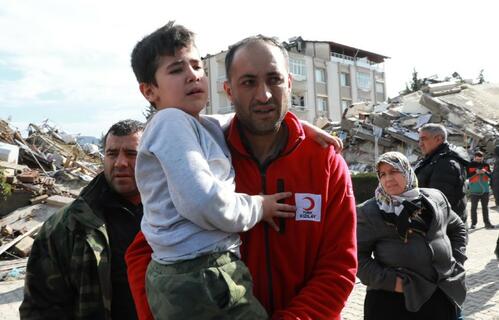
[(327, 78)]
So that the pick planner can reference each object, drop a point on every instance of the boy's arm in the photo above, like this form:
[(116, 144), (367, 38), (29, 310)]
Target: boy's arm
[(317, 134), (333, 277), (223, 120), (322, 137), (137, 257), (173, 140)]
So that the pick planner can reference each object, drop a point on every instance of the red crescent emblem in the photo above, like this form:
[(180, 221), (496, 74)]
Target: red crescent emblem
[(312, 203)]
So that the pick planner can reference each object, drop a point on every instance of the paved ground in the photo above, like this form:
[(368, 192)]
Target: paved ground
[(482, 302)]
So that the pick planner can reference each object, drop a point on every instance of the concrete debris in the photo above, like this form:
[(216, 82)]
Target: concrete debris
[(470, 112), (38, 175)]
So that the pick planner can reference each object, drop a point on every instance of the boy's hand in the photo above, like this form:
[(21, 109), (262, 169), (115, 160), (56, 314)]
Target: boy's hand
[(322, 137), (272, 208)]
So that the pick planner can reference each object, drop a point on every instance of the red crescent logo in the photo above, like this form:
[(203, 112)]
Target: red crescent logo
[(312, 203)]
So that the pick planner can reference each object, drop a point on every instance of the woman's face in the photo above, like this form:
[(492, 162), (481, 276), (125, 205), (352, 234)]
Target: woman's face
[(392, 181)]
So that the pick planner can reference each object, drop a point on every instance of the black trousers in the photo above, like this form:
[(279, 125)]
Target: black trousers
[(388, 305), (484, 200)]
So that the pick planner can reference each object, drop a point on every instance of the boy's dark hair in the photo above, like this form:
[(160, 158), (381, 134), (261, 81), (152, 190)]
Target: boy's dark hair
[(233, 48), (162, 42), (123, 128), (478, 153)]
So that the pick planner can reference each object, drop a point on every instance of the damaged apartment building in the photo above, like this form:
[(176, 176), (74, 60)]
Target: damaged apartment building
[(342, 89), (469, 111), (327, 78)]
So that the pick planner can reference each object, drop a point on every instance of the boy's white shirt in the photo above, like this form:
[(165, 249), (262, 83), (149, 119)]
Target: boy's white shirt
[(186, 181)]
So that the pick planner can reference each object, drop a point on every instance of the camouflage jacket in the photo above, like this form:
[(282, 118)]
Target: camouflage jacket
[(68, 275)]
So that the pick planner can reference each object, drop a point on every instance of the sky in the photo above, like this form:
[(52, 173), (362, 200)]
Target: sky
[(68, 60)]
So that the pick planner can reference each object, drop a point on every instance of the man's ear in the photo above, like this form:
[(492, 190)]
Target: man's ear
[(148, 91), (228, 90)]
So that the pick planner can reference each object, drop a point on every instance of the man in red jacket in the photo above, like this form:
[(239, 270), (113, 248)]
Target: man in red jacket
[(307, 269)]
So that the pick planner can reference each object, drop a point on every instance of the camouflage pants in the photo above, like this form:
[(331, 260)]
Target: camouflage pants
[(213, 286)]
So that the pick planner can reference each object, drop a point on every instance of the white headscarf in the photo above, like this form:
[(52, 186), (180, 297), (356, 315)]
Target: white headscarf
[(411, 192)]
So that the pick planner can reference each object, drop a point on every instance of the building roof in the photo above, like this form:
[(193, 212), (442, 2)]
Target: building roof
[(350, 51)]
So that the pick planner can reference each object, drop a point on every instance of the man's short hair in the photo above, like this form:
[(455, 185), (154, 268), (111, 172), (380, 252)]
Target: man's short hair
[(163, 42), (435, 129), (123, 128), (268, 40)]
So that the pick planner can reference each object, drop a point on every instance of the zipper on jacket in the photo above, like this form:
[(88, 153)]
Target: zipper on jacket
[(266, 236)]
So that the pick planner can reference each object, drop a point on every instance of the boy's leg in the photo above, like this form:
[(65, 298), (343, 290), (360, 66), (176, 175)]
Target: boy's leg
[(242, 303), (176, 295), (215, 286)]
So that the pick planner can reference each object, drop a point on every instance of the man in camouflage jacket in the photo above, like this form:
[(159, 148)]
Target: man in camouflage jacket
[(76, 269)]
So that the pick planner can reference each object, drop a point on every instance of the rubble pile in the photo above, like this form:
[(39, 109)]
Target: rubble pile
[(469, 112), (38, 175)]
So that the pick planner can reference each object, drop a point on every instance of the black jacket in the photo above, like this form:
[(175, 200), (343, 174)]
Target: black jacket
[(445, 170)]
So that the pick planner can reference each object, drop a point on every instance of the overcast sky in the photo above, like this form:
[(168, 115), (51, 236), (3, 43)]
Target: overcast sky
[(68, 60)]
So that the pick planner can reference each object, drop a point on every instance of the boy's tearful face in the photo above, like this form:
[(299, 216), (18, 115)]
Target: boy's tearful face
[(181, 82)]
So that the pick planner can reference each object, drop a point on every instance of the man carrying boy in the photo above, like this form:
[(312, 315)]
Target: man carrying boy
[(184, 174), (306, 270)]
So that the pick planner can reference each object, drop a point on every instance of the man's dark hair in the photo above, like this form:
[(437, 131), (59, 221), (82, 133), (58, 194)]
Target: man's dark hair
[(123, 128), (163, 42), (233, 49)]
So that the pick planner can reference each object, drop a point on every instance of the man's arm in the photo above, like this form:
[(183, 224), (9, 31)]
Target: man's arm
[(326, 292), (322, 137), (456, 231), (447, 177), (137, 257), (47, 294)]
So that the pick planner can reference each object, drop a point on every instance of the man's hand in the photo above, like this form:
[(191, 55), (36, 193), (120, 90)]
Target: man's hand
[(322, 137), (399, 287), (272, 208)]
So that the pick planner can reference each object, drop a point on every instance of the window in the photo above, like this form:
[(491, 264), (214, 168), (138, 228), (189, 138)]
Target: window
[(321, 104), (298, 99), (320, 75), (297, 67), (345, 79), (380, 88), (364, 81)]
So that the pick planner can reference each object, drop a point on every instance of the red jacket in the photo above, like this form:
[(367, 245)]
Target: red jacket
[(306, 271)]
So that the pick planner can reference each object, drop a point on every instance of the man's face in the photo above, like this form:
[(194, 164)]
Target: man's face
[(119, 163), (259, 87), (181, 82), (429, 143)]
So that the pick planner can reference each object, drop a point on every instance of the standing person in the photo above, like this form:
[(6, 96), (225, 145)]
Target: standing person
[(443, 166), (478, 178), (411, 248), (186, 181), (76, 268), (307, 269)]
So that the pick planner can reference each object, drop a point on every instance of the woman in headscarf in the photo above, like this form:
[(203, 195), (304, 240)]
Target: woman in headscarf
[(411, 248)]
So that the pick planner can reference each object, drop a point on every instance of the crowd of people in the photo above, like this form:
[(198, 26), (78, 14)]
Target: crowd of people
[(251, 217)]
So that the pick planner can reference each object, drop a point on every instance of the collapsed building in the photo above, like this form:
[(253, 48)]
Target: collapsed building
[(38, 175), (470, 112)]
